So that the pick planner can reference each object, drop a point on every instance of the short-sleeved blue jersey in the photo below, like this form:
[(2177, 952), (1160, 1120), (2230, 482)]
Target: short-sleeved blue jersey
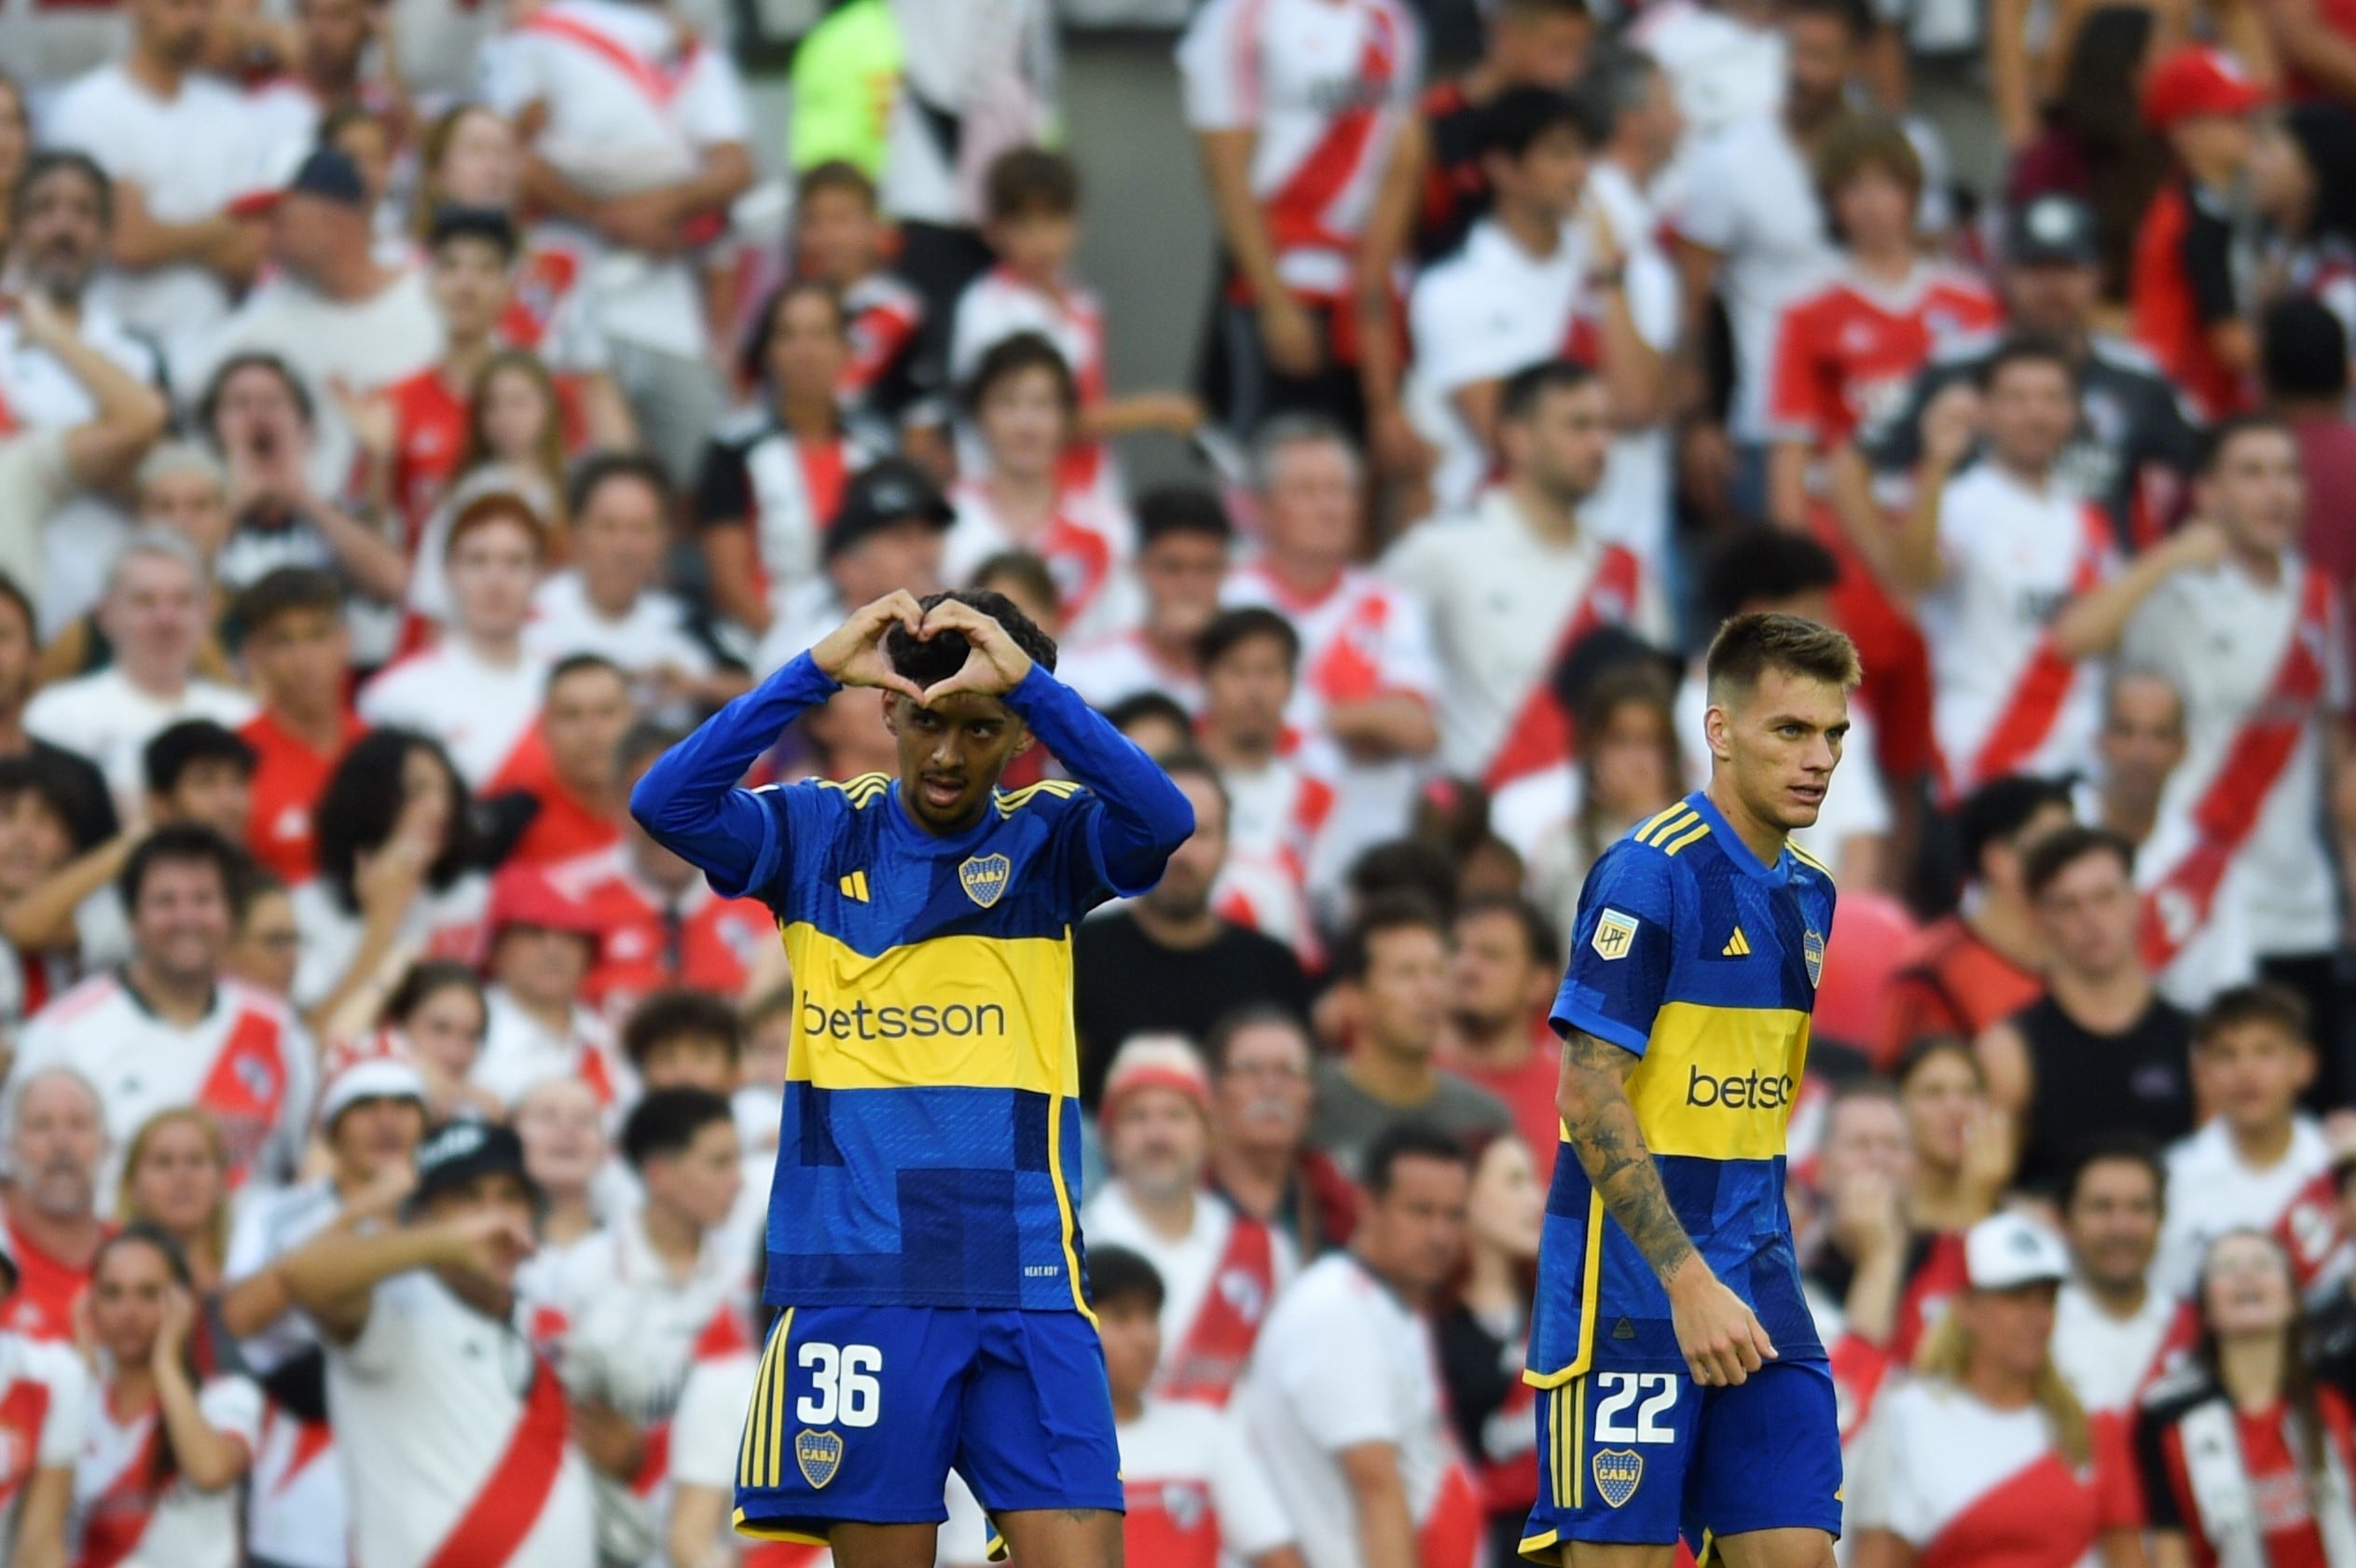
[(1692, 955), (930, 1150)]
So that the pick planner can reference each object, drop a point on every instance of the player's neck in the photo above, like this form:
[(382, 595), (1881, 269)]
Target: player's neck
[(674, 1237), (809, 419), (503, 651), (1762, 838), (1170, 1215), (2004, 923), (320, 729), (71, 1240), (2256, 562), (2252, 1367), (1128, 1409), (1551, 519), (1494, 1047), (465, 359), (154, 72), (566, 1219), (2119, 1302), (1253, 1176), (1941, 1200), (1999, 1387), (1395, 1077), (1232, 753), (2105, 1004), (179, 1001), (2263, 1147), (1534, 228)]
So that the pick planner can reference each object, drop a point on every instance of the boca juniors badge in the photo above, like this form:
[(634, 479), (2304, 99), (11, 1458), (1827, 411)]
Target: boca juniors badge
[(1618, 1473), (984, 879), (1811, 948), (819, 1454)]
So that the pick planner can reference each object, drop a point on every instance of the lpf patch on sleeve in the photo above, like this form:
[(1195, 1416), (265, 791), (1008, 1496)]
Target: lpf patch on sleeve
[(1615, 935)]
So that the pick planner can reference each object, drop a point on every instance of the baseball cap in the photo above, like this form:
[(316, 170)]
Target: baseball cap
[(524, 895), (1155, 1061), (465, 1151), (888, 492), (2005, 1251), (370, 1077), (326, 173), (2049, 230), (2196, 80)]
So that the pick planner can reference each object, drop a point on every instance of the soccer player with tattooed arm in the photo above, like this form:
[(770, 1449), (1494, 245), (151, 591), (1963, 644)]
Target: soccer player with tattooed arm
[(923, 1250), (1682, 1389)]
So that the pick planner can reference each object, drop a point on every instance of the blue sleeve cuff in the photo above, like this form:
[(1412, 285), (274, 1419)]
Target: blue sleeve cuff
[(1569, 1015)]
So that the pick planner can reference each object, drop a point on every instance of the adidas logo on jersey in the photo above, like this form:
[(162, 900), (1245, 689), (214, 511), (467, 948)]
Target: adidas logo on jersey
[(1737, 946), (855, 886)]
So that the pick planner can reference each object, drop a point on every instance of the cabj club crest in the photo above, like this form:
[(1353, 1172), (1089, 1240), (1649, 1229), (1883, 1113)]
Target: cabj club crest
[(819, 1454), (1618, 1473), (984, 879)]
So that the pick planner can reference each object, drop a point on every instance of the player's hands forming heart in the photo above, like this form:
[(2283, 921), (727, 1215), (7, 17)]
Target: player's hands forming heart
[(1721, 1338), (852, 654), (994, 663)]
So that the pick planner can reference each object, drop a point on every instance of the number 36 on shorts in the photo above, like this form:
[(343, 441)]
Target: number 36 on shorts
[(845, 1386)]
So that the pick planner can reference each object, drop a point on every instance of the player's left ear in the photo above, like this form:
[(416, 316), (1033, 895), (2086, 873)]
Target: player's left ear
[(1023, 740), (892, 710)]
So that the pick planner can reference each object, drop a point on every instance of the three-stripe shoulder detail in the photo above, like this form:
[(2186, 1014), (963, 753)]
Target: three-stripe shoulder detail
[(1674, 829), (864, 791), (1804, 859), (1049, 788)]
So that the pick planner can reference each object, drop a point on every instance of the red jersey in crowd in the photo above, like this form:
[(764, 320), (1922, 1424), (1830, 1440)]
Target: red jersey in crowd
[(42, 1305), (1953, 983), (2182, 285), (288, 778), (1846, 353), (653, 942), (2234, 1482)]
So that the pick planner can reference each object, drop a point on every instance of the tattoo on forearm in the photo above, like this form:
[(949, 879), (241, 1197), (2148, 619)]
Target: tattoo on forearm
[(1612, 1149)]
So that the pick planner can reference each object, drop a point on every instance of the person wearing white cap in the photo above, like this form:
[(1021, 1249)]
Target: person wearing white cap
[(42, 1395), (371, 1118), (1220, 1270), (1986, 1455)]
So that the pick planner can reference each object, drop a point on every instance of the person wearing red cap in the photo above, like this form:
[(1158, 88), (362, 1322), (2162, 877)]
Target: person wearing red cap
[(543, 940), (2186, 291), (1219, 1269)]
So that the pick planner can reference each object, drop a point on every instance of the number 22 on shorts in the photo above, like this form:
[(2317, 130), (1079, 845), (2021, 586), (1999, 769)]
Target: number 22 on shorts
[(1616, 1391), (846, 1389)]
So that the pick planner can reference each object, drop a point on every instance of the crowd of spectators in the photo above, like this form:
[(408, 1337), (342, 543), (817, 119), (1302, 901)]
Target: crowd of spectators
[(415, 416)]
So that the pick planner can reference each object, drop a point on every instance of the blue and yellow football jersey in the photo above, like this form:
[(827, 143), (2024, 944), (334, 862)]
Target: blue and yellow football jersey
[(1692, 955), (929, 1149)]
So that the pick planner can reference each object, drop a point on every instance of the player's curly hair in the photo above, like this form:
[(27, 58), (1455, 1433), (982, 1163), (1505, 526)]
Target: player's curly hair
[(927, 663)]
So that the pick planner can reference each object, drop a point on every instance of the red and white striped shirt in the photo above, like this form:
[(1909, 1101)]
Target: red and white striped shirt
[(1966, 1485), (1089, 544), (43, 1391), (124, 1519), (1846, 353)]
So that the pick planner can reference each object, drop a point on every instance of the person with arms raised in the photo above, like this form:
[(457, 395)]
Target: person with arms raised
[(921, 1239)]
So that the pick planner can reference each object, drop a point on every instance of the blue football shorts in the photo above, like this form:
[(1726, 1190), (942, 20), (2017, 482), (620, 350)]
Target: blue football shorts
[(1641, 1455), (859, 1413)]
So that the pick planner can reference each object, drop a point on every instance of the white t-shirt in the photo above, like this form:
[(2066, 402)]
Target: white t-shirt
[(1113, 669), (1189, 1268), (1493, 309), (80, 534), (2220, 635), (1499, 597), (34, 476), (1343, 1361), (615, 130), (1089, 544), (2102, 1358), (651, 635), (247, 1061), (1293, 72), (296, 1510), (1189, 1471), (442, 921), (501, 707), (428, 1400), (108, 719), (1750, 197), (2211, 1192), (42, 1401), (1930, 1456), (115, 1496), (1635, 505), (519, 1052), (1723, 69), (1276, 820), (190, 155), (996, 305), (2014, 558)]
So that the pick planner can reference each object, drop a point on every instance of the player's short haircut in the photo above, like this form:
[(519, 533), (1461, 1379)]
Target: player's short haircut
[(643, 741), (1540, 942), (2262, 1001), (1231, 628), (1353, 956), (1519, 398), (1863, 143), (666, 1121), (2025, 348), (1852, 15), (1220, 1037), (180, 843), (1400, 1142), (2303, 350), (1010, 357), (166, 760), (1193, 764), (47, 165), (1923, 1050), (1146, 707), (286, 590), (576, 663), (929, 662), (605, 468), (2119, 1147), (1761, 563), (2064, 847), (1619, 81), (37, 774), (154, 543), (1515, 120), (834, 173), (1280, 432), (1748, 646), (1168, 510), (1026, 569), (1029, 182), (753, 359), (1998, 810), (2220, 437), (1119, 1277), (679, 1014), (1420, 871)]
